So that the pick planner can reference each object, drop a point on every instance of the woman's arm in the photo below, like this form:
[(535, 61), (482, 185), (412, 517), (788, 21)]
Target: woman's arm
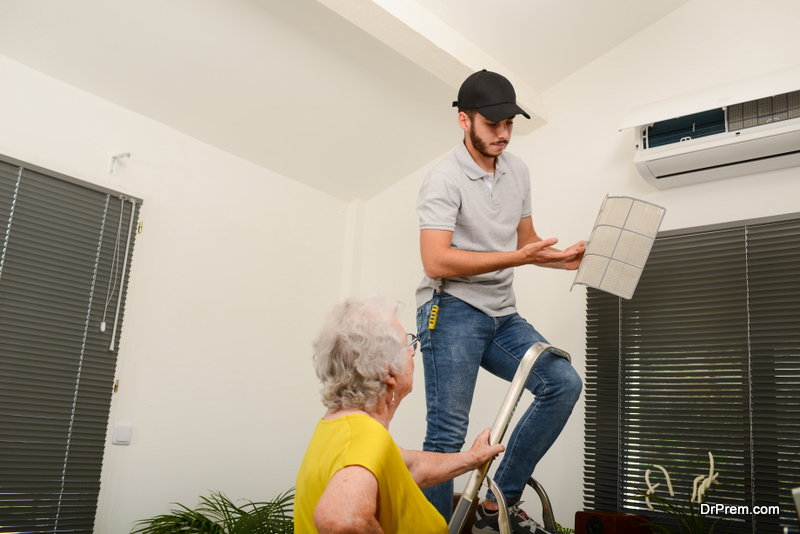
[(430, 468), (349, 503)]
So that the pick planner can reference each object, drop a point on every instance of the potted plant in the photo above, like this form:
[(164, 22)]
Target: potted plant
[(217, 514)]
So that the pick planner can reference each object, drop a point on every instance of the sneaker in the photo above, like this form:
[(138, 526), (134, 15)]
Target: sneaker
[(520, 522)]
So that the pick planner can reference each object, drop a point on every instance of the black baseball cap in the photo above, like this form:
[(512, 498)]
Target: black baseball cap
[(491, 95)]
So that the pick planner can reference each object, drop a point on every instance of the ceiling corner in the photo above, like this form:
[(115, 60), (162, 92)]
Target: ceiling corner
[(419, 35)]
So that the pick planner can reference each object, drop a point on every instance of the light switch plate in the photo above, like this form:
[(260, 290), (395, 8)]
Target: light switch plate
[(122, 434)]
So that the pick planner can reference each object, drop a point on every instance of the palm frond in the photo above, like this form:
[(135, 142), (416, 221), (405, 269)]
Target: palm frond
[(179, 521), (273, 517), (217, 514)]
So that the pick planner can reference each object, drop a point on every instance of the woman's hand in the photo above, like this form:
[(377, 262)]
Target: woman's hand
[(482, 451)]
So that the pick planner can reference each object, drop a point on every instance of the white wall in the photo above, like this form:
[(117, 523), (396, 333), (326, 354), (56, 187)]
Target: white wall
[(230, 278), (237, 264), (578, 158)]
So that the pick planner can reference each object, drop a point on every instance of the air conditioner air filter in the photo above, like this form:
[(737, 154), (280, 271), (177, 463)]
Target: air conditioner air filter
[(619, 245)]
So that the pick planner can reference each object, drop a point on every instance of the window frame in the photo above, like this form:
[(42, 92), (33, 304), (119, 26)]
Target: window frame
[(63, 242)]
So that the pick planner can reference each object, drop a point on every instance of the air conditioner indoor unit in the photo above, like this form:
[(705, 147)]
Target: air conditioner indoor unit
[(743, 128)]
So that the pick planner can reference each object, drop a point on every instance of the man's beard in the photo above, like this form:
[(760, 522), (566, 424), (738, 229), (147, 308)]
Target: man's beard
[(479, 145)]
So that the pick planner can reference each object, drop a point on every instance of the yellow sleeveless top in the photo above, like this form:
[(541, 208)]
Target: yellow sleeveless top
[(358, 439)]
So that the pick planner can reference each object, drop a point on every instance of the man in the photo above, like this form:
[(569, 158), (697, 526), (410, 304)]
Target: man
[(475, 227)]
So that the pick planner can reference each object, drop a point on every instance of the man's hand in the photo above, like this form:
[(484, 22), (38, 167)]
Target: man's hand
[(574, 260), (541, 253)]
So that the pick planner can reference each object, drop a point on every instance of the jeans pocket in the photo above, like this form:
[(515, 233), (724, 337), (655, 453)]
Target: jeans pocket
[(423, 314)]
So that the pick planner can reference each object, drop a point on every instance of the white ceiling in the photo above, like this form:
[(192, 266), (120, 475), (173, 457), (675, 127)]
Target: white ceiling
[(544, 41), (293, 86)]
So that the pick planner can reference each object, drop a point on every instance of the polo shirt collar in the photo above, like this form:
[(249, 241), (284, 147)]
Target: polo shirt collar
[(472, 170)]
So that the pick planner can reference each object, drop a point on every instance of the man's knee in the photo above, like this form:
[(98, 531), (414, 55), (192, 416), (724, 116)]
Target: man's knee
[(572, 385), (567, 381)]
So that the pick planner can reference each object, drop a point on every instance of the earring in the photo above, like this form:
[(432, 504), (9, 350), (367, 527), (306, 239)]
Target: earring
[(392, 398)]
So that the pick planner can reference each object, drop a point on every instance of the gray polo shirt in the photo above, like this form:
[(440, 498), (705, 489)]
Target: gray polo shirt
[(455, 197)]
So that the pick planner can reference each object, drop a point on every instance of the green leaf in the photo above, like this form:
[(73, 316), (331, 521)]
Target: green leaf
[(217, 514)]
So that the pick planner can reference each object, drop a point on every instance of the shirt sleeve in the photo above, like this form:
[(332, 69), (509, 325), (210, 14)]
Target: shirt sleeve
[(438, 203)]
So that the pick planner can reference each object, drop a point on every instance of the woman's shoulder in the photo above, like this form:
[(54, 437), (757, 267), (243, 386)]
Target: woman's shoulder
[(369, 443), (363, 426)]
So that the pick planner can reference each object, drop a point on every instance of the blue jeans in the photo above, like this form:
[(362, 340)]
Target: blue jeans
[(465, 339)]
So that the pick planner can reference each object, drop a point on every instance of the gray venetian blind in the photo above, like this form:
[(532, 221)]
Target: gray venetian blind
[(60, 254), (705, 357)]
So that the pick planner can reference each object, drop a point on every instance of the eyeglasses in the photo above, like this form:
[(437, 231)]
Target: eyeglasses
[(412, 341)]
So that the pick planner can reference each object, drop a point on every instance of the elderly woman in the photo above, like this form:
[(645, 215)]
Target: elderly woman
[(354, 478)]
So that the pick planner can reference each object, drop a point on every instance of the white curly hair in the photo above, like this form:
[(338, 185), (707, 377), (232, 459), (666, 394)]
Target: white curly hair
[(355, 350)]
